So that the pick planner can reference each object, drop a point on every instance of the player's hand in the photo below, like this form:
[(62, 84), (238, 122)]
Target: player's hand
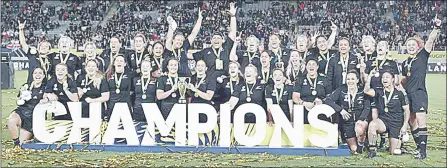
[(333, 26), (233, 9), (88, 100), (22, 25), (403, 130), (318, 101), (174, 88), (345, 115), (437, 21)]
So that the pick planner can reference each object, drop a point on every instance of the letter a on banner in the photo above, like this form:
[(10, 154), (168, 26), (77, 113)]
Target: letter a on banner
[(121, 113), (93, 122)]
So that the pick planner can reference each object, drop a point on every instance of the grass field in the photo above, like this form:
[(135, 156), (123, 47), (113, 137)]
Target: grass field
[(436, 84)]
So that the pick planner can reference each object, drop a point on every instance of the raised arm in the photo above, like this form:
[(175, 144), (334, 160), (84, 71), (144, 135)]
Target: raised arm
[(22, 38), (233, 25), (196, 28), (433, 35), (233, 53), (331, 39), (170, 35)]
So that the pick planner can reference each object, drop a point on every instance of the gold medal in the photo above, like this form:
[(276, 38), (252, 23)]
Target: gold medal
[(117, 91), (350, 110), (196, 95), (358, 66), (344, 73), (174, 95), (144, 96), (386, 110), (377, 74), (138, 70), (408, 74), (248, 99), (314, 92)]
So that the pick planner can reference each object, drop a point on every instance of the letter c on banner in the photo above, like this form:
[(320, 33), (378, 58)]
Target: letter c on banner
[(39, 126), (331, 129), (239, 125)]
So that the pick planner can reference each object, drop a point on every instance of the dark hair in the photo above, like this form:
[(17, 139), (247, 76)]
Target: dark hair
[(316, 39), (311, 59), (390, 72), (279, 69), (111, 68), (354, 72), (158, 42), (344, 38), (44, 73)]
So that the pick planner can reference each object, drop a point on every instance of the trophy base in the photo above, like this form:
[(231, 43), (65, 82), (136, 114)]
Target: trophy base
[(182, 101)]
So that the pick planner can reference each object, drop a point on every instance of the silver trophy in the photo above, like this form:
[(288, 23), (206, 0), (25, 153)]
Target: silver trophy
[(182, 86)]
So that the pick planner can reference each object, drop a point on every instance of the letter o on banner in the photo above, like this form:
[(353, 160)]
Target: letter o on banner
[(239, 125)]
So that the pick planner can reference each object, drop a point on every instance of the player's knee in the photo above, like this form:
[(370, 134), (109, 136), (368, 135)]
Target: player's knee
[(13, 119)]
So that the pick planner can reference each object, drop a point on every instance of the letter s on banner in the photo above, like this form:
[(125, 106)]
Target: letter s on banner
[(331, 129), (39, 126)]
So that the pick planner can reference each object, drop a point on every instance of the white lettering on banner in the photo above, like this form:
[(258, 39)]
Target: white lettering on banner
[(177, 117)]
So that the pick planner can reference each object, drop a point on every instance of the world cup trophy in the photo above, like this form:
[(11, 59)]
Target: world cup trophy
[(182, 87)]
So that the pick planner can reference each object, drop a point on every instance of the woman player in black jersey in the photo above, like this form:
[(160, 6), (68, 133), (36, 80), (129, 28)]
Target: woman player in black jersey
[(295, 68), (157, 59), (120, 85), (22, 116), (201, 87), (90, 54), (266, 70), (354, 107), (280, 94), (391, 107), (145, 90), (227, 87), (414, 73), (251, 92), (167, 88), (311, 89), (92, 87), (62, 88)]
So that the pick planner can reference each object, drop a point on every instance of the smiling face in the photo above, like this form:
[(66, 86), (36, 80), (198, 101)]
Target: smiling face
[(173, 66), (217, 41), (274, 41), (158, 49), (91, 67), (252, 44), (178, 41), (368, 44), (119, 62), (146, 68), (312, 67), (201, 67), (351, 80), (322, 43), (412, 47), (278, 77), (295, 58), (301, 43), (233, 69), (90, 50), (382, 48), (44, 47), (64, 44), (38, 75), (61, 71), (115, 44), (250, 74), (139, 43), (343, 46), (265, 58), (387, 80)]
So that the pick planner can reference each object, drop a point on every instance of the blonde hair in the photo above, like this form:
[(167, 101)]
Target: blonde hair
[(289, 67), (98, 75)]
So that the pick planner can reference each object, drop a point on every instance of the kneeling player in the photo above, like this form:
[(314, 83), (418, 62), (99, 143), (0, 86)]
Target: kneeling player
[(31, 94), (393, 113)]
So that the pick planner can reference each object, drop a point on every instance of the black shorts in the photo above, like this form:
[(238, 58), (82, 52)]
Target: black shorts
[(392, 127), (418, 101), (26, 116), (348, 129)]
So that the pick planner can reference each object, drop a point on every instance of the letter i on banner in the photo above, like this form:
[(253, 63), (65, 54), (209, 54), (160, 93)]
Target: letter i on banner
[(121, 113)]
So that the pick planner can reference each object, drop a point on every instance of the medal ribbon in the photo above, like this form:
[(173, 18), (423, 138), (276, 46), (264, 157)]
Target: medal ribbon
[(250, 56), (279, 95), (251, 90), (86, 80), (64, 61), (118, 80), (231, 84), (200, 82), (179, 52), (387, 99), (138, 59), (278, 55), (217, 53), (350, 100), (44, 64), (313, 84), (381, 64), (265, 75), (144, 85), (175, 79), (410, 64)]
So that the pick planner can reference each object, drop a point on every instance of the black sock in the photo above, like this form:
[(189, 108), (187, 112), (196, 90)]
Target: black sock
[(372, 148), (415, 134), (16, 141), (423, 133)]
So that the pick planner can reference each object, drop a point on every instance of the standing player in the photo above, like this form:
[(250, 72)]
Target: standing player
[(217, 56), (202, 87), (158, 59), (391, 107), (322, 49), (414, 73), (280, 56), (295, 68), (229, 85), (65, 56), (251, 56), (92, 87), (369, 48), (176, 45), (340, 64), (279, 93), (311, 89), (120, 85), (350, 101), (90, 54), (140, 53), (23, 116), (36, 59), (145, 91), (167, 88), (266, 69), (115, 49)]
